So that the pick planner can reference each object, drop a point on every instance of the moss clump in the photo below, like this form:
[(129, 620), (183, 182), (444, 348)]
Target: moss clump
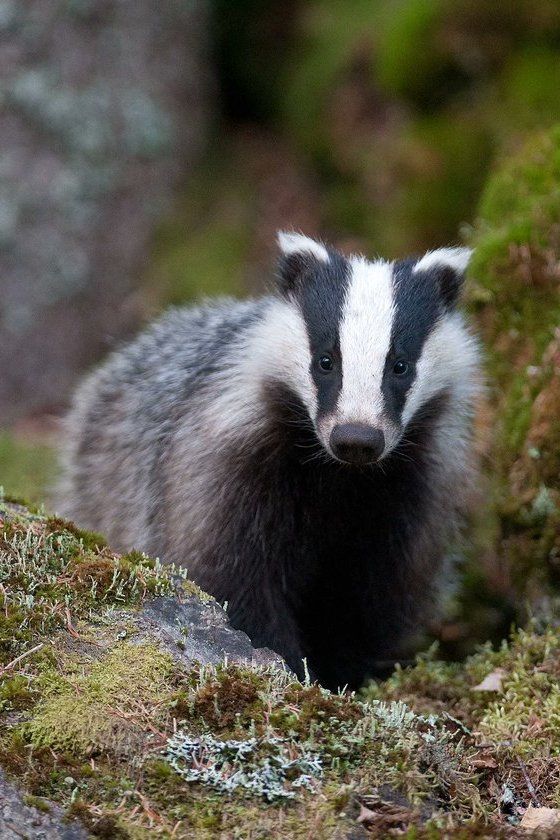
[(106, 827), (15, 693), (50, 576), (89, 539), (511, 727), (37, 802), (111, 707), (514, 297), (229, 699)]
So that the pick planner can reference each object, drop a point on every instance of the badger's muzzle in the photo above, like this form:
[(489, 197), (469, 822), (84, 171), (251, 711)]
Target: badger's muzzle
[(357, 443)]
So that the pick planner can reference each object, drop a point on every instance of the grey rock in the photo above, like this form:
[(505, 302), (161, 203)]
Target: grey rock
[(19, 821), (194, 630), (104, 108)]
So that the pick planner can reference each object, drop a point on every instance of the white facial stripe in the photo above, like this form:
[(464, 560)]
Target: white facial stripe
[(455, 258), (448, 360), (280, 341), (297, 243), (365, 336)]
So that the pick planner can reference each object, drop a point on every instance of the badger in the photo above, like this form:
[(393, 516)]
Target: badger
[(307, 455)]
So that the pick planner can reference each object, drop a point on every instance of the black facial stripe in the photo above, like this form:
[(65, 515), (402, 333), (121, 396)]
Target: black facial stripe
[(321, 299), (418, 308)]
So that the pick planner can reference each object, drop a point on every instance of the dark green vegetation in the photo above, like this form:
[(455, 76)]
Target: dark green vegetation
[(137, 743), (373, 123)]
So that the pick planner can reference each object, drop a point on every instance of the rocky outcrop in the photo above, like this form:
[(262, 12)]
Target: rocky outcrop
[(196, 630), (23, 816)]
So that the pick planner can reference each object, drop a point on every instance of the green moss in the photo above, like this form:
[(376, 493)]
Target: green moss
[(101, 710), (27, 469), (515, 300), (88, 539), (229, 699), (520, 719), (37, 802), (50, 577), (523, 184), (15, 693)]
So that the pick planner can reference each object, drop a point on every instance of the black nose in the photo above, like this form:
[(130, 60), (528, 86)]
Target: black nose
[(357, 443)]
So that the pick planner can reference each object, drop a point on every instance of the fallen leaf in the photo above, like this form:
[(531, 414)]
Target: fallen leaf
[(484, 762), (540, 818), (492, 682)]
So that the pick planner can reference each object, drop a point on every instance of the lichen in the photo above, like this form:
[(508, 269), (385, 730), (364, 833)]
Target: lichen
[(273, 768)]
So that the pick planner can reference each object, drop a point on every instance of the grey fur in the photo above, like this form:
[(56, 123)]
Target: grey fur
[(124, 421), (181, 445)]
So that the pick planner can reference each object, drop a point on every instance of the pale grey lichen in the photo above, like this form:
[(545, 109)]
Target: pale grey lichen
[(270, 767)]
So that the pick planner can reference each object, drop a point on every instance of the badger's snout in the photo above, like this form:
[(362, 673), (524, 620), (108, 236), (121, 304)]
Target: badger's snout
[(357, 443)]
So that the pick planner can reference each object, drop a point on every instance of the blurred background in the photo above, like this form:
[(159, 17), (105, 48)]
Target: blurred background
[(149, 152)]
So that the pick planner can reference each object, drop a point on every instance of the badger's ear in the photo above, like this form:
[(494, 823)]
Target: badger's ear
[(447, 266), (298, 254)]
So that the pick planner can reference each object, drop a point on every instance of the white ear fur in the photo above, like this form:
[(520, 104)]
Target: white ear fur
[(296, 243), (455, 258)]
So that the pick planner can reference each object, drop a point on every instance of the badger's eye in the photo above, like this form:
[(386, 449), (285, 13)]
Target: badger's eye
[(400, 368), (325, 363)]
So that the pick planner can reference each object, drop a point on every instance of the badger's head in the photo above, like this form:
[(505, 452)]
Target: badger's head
[(380, 341)]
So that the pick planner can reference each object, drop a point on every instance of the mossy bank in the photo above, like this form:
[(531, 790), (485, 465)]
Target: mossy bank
[(514, 277), (134, 739)]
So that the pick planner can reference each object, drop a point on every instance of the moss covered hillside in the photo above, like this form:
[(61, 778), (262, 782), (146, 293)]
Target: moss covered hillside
[(118, 730), (514, 283)]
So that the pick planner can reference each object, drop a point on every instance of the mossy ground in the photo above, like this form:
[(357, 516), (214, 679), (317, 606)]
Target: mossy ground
[(95, 719), (27, 467)]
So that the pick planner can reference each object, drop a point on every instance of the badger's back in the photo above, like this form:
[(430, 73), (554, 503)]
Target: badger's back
[(115, 435)]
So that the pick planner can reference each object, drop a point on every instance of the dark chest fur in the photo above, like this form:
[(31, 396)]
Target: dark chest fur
[(320, 560)]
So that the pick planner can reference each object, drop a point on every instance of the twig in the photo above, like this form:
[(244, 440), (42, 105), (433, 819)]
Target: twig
[(529, 783), (70, 627), (11, 665)]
